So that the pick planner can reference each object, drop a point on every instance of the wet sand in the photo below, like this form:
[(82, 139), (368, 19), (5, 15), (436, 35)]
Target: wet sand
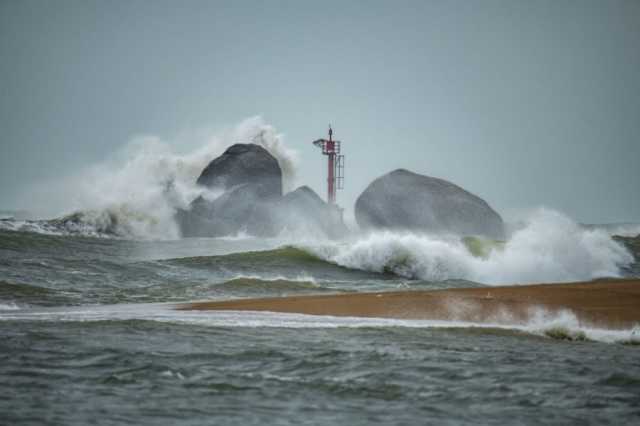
[(613, 304)]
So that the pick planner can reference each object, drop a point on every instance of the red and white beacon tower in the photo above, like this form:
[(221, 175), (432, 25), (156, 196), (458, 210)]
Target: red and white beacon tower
[(335, 162)]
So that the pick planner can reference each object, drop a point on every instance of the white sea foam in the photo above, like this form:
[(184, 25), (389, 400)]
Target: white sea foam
[(550, 247), (302, 277), (565, 325), (136, 193), (542, 323), (11, 306)]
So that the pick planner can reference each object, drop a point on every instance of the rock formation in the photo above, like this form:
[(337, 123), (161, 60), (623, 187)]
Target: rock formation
[(250, 180), (244, 164), (402, 200), (303, 211)]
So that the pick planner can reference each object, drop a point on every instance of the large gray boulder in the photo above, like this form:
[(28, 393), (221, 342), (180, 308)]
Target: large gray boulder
[(243, 164), (302, 211), (402, 200), (240, 209), (251, 202), (251, 181)]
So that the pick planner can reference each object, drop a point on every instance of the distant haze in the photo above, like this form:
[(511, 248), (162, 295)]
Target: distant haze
[(524, 103)]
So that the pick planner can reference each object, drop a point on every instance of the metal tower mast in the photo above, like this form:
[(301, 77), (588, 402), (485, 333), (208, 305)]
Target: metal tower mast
[(335, 165)]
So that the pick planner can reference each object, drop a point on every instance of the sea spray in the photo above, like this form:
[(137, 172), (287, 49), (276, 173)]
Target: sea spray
[(136, 192), (550, 247), (554, 248)]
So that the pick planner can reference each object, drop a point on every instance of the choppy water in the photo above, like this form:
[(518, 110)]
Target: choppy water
[(87, 335)]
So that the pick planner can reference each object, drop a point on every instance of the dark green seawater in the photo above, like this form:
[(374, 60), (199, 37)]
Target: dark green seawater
[(88, 336)]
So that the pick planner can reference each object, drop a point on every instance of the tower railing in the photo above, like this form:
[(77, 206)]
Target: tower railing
[(335, 163), (340, 172)]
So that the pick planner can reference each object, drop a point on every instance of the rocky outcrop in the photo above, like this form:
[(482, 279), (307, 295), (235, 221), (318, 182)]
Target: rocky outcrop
[(250, 180), (303, 211), (402, 200), (251, 202), (241, 209), (244, 164)]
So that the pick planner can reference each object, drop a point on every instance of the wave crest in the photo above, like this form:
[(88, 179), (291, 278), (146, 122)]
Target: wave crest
[(550, 247)]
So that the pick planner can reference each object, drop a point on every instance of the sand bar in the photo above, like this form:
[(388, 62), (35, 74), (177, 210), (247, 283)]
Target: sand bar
[(611, 304)]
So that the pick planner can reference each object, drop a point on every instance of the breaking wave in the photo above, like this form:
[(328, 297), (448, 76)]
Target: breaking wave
[(288, 261), (550, 247), (135, 194), (561, 326)]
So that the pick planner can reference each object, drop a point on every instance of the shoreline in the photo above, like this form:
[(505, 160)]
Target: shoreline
[(606, 303)]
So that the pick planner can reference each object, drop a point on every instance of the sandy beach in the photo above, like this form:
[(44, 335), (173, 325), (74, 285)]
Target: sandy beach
[(613, 304)]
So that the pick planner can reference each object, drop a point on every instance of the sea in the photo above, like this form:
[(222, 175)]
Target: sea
[(89, 334)]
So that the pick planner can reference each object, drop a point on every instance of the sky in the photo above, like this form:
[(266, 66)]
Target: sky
[(524, 103)]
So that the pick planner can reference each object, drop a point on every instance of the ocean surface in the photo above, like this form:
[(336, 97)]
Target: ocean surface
[(88, 334)]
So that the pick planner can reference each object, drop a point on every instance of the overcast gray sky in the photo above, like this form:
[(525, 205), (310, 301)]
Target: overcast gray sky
[(524, 103)]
